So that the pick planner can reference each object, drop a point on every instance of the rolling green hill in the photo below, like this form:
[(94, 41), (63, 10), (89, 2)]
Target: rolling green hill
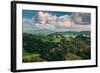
[(58, 46)]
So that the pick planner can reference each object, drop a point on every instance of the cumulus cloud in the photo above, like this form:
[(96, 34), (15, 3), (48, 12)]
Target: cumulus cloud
[(41, 16), (45, 20), (81, 18), (64, 21), (81, 21)]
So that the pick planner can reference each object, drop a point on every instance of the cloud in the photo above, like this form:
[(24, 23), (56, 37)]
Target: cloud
[(64, 21), (81, 21), (45, 26), (28, 24), (27, 21), (81, 18), (42, 17), (45, 20)]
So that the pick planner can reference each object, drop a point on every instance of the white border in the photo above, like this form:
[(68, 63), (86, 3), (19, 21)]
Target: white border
[(21, 65)]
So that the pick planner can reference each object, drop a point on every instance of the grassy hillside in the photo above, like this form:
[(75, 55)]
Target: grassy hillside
[(57, 46)]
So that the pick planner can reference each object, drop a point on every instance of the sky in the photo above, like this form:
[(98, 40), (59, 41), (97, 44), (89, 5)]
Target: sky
[(30, 13), (55, 20)]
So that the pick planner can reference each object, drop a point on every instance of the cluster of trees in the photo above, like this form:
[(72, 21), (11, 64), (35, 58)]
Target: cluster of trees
[(55, 47)]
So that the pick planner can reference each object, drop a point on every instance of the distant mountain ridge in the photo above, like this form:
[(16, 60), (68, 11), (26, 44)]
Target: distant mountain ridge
[(40, 31), (74, 32), (47, 32)]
